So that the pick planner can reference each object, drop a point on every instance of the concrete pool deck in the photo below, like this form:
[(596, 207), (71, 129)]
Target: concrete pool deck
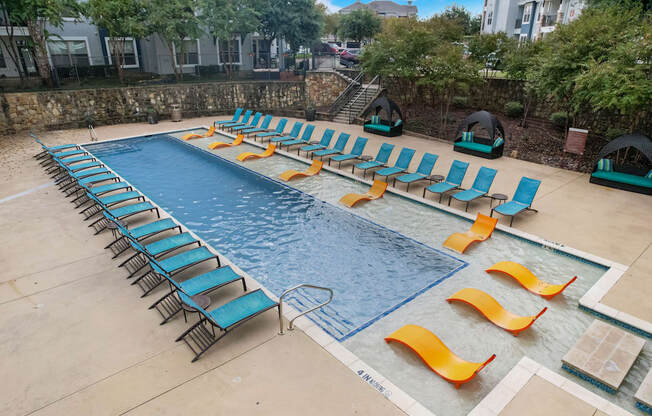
[(59, 286)]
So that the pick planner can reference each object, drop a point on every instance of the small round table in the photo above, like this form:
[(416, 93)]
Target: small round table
[(501, 198), (366, 158), (113, 226), (202, 301), (435, 178)]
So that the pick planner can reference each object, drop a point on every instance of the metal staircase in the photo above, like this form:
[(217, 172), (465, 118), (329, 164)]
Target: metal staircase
[(354, 99)]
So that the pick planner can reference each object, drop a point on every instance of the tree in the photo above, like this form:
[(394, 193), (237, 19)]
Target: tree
[(601, 59), (332, 24), (10, 22), (121, 19), (360, 24), (463, 17), (35, 14), (174, 21), (226, 19), (490, 49), (518, 61)]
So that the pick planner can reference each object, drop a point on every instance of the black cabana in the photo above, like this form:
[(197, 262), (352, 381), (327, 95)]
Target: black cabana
[(625, 174), (383, 120), (490, 147)]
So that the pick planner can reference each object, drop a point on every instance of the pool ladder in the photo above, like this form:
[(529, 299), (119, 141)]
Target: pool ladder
[(292, 289)]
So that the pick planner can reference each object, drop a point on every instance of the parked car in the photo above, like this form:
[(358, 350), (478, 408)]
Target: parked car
[(349, 58), (324, 49)]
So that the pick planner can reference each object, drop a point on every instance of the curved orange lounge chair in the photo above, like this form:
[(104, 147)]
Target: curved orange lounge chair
[(436, 355), (250, 155), (528, 280), (209, 133), (237, 142), (311, 171), (481, 229), (376, 191), (494, 311)]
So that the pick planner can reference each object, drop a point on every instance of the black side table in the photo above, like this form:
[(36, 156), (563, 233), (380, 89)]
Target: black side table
[(202, 301), (436, 178), (113, 226), (501, 198)]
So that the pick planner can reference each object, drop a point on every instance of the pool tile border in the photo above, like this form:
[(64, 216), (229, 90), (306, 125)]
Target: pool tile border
[(501, 395), (520, 374)]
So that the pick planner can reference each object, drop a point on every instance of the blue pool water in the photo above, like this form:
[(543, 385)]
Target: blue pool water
[(281, 236)]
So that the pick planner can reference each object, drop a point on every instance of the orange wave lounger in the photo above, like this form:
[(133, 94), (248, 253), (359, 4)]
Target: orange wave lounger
[(376, 191), (209, 133), (494, 311), (436, 355), (311, 171), (237, 142), (250, 155), (528, 280), (481, 230)]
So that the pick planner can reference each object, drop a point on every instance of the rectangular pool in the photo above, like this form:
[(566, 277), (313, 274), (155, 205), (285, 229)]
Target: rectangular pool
[(282, 236)]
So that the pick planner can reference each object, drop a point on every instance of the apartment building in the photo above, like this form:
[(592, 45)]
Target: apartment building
[(528, 19), (383, 8)]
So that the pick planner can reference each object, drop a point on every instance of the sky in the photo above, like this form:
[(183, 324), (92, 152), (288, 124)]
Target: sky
[(426, 7)]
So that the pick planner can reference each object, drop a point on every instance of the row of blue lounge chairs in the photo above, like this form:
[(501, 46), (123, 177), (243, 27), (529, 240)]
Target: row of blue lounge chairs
[(522, 200), (160, 248)]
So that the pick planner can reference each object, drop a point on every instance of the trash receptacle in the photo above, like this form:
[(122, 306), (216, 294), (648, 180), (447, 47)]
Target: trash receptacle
[(176, 112), (310, 114)]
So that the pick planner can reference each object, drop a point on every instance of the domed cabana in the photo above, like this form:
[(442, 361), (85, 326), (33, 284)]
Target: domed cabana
[(629, 166), (488, 144), (386, 118)]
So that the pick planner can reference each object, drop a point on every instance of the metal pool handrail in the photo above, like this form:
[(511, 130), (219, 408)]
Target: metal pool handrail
[(280, 304)]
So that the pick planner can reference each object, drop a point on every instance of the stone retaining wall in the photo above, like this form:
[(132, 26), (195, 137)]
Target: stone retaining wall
[(322, 88)]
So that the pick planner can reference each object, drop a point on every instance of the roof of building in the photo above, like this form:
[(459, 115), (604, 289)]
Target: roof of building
[(382, 7)]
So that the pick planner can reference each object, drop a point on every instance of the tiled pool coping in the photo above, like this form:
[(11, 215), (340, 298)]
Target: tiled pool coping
[(590, 302)]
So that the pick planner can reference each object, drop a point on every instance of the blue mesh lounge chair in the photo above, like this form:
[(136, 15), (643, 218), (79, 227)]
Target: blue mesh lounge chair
[(100, 190), (49, 150), (236, 117), (356, 152), (170, 304), (122, 213), (201, 336), (264, 126), (253, 124), (480, 187), (122, 241), (323, 143), (304, 139), (59, 167), (171, 266), (61, 157), (243, 122), (92, 180), (522, 201), (294, 133), (64, 173), (423, 171), (108, 201), (278, 131), (71, 180), (381, 159), (155, 250), (453, 180), (402, 164), (340, 144)]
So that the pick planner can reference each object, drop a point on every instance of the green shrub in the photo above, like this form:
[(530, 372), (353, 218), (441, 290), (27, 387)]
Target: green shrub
[(513, 109), (460, 102), (559, 119), (613, 132)]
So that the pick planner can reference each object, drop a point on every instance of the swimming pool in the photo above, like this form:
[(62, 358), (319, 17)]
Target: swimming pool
[(282, 237)]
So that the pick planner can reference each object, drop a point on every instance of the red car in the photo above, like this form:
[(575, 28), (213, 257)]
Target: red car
[(349, 58)]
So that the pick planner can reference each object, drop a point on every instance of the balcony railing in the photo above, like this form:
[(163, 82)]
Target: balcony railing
[(549, 20), (518, 23)]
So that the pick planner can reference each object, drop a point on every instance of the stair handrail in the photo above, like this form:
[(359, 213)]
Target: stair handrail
[(280, 304), (363, 94), (344, 97), (91, 132)]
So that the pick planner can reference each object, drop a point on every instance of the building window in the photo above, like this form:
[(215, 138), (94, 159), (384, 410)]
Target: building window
[(527, 12), (130, 59), (490, 17), (190, 53), (223, 51), (68, 53)]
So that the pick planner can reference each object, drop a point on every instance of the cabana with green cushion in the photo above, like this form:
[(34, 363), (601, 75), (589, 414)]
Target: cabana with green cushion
[(633, 173), (467, 141), (390, 125)]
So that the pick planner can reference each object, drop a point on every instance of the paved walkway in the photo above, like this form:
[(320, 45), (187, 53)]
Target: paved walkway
[(81, 341)]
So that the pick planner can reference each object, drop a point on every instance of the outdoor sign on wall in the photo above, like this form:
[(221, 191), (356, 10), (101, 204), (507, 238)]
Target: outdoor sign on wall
[(576, 141)]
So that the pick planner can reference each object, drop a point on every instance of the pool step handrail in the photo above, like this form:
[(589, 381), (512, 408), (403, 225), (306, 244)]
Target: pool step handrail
[(292, 289)]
